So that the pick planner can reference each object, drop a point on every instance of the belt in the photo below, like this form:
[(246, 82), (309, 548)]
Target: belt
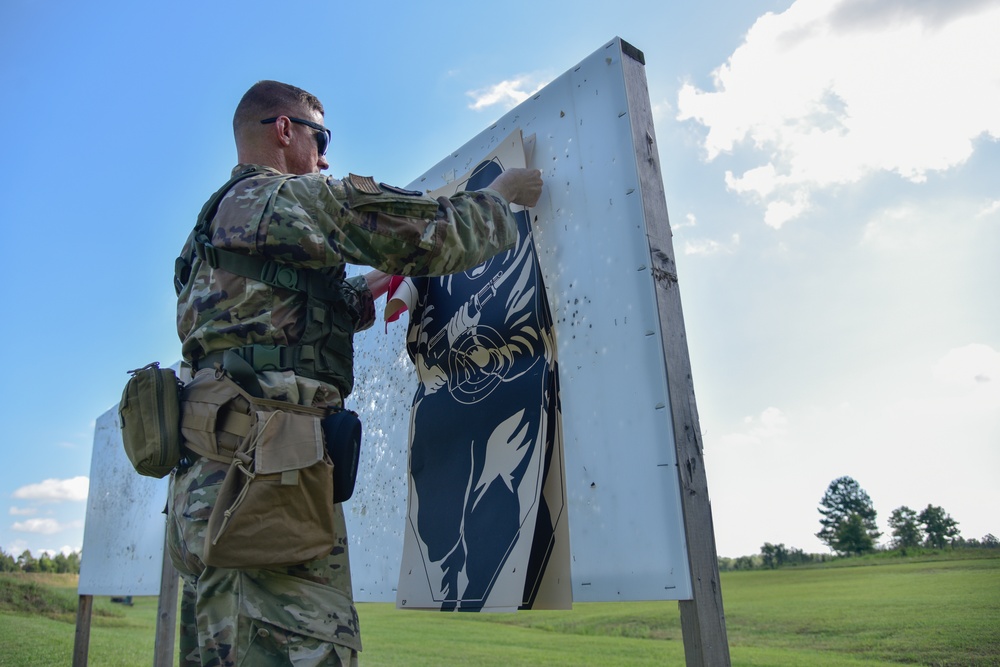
[(260, 357)]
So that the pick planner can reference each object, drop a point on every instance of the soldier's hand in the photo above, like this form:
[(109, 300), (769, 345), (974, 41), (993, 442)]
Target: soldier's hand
[(519, 186)]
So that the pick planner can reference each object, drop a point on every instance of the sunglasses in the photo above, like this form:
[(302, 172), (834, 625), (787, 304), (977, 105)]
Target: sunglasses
[(323, 135)]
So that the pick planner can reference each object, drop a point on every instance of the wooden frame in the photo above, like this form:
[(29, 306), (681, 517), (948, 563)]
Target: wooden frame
[(703, 620)]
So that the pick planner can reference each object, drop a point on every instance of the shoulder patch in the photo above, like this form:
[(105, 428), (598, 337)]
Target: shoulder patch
[(401, 191), (365, 184)]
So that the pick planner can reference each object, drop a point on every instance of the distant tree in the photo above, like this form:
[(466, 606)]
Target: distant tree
[(905, 526), (61, 563), (797, 556), (26, 562), (939, 527), (66, 563), (990, 541), (773, 555), (853, 537), (46, 564), (7, 562), (73, 562), (843, 499)]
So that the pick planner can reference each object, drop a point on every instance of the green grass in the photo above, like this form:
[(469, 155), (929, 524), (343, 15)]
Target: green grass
[(927, 612), (38, 624), (935, 609)]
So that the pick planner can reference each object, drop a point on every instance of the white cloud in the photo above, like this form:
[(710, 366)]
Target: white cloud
[(773, 419), (780, 211), (771, 423), (738, 440), (56, 490), (662, 111), (946, 231), (893, 228), (689, 221), (974, 367), (763, 180), (16, 548), (44, 526), (23, 511), (711, 247), (989, 209), (829, 92), (508, 93)]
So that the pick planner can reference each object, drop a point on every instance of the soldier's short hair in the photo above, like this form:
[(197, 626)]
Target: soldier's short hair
[(267, 99)]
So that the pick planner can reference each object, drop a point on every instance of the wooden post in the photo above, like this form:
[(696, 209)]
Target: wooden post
[(703, 621), (166, 620), (166, 614), (81, 645)]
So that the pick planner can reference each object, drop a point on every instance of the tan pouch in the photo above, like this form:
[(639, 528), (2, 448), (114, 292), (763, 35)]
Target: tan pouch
[(275, 506), (215, 415)]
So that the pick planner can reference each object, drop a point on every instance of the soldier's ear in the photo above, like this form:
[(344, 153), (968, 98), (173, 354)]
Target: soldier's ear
[(280, 129), (283, 127)]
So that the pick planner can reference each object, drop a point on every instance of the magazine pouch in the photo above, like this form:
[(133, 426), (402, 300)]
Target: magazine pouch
[(216, 415)]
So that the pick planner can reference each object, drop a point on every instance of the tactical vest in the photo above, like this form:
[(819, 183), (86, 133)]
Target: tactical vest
[(326, 350)]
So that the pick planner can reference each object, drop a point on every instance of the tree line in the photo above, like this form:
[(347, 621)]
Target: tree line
[(58, 564), (847, 520), (848, 523), (848, 527)]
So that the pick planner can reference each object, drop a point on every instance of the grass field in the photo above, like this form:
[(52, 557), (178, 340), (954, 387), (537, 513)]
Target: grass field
[(936, 610)]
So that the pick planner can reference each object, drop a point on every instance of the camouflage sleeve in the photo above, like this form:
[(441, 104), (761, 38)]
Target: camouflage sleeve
[(318, 221)]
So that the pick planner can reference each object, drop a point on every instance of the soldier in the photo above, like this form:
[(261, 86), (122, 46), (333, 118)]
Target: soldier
[(284, 214)]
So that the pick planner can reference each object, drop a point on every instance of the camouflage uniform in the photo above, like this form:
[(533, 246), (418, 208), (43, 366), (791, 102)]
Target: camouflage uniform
[(189, 655), (303, 614)]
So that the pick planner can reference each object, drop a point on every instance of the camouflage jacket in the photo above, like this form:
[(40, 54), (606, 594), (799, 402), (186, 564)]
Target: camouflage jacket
[(317, 222)]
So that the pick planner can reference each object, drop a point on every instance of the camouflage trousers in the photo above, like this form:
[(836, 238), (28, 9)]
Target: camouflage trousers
[(300, 615)]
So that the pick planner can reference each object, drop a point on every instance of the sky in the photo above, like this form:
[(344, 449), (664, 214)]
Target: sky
[(831, 170)]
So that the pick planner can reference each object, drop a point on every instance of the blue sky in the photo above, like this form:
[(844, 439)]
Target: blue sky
[(831, 172)]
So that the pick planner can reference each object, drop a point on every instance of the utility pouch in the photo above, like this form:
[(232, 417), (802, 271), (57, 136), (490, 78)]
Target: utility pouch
[(275, 506), (342, 431), (215, 415), (149, 413)]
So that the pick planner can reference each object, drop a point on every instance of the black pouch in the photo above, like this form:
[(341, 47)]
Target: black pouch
[(342, 433)]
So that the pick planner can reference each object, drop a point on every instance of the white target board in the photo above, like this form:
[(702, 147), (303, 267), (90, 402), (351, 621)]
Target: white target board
[(626, 531), (123, 536)]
